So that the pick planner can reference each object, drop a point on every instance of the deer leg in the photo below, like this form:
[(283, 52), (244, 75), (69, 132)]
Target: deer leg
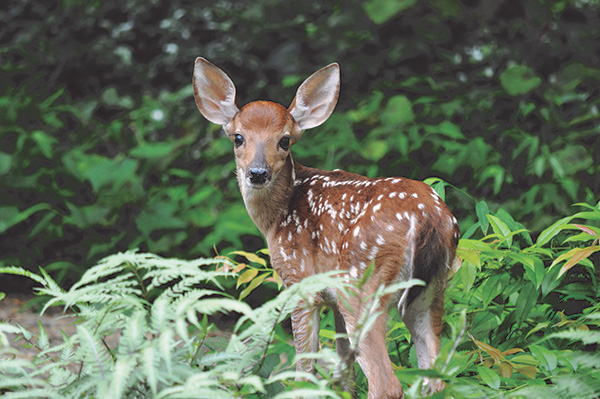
[(372, 354), (423, 317), (342, 347), (305, 327)]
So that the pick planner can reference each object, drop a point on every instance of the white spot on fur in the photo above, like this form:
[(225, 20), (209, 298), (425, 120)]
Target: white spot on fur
[(377, 207)]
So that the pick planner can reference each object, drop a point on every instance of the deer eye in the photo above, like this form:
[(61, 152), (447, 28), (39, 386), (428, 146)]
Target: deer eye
[(284, 143), (238, 140)]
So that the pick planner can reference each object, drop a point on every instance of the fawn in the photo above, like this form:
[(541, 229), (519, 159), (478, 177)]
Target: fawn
[(316, 221)]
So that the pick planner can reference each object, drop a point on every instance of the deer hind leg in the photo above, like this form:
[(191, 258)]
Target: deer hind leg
[(372, 354), (305, 327), (344, 351), (423, 317)]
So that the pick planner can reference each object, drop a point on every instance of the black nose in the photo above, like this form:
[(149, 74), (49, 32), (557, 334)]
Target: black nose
[(258, 176)]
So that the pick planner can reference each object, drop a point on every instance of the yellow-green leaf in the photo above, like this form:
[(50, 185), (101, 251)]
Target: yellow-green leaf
[(506, 369), (251, 257), (247, 276), (579, 254)]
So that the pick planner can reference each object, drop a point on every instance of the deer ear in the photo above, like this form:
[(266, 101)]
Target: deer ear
[(316, 97), (214, 93)]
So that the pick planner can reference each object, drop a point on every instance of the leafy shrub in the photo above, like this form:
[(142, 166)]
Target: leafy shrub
[(101, 147), (522, 321), (167, 348)]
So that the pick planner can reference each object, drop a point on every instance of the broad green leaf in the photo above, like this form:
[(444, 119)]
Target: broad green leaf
[(501, 229), (5, 163), (381, 11), (447, 129), (519, 79), (489, 377), (253, 284), (482, 210), (398, 111), (525, 303), (11, 215), (375, 150), (467, 274), (549, 233), (546, 357)]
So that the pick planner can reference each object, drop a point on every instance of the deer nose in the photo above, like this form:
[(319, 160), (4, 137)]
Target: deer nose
[(258, 176)]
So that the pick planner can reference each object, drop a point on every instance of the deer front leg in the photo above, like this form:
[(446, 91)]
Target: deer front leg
[(305, 327)]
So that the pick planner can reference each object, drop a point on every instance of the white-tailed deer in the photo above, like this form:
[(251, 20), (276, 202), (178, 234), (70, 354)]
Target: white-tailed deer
[(316, 221)]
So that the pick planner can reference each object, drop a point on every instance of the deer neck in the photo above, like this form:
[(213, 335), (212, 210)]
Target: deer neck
[(267, 205)]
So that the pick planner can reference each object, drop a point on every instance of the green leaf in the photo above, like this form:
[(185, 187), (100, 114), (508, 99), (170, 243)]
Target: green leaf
[(549, 233), (482, 210), (398, 111), (253, 284), (154, 150), (500, 228), (524, 305), (447, 129), (5, 163), (489, 377), (381, 11), (375, 150), (10, 215), (547, 358), (44, 142), (519, 79)]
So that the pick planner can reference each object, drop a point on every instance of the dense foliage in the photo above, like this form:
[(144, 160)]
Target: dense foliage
[(522, 322), (102, 148)]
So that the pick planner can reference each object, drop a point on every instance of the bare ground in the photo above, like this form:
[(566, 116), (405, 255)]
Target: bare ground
[(13, 310)]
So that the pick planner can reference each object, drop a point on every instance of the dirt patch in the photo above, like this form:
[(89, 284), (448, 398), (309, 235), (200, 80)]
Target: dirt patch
[(13, 310)]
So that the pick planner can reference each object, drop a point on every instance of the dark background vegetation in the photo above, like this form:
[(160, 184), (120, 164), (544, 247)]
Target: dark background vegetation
[(102, 148)]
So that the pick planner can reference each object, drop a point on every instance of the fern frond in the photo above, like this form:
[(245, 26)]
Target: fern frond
[(587, 337), (93, 353), (19, 271), (122, 370), (133, 335), (150, 361)]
